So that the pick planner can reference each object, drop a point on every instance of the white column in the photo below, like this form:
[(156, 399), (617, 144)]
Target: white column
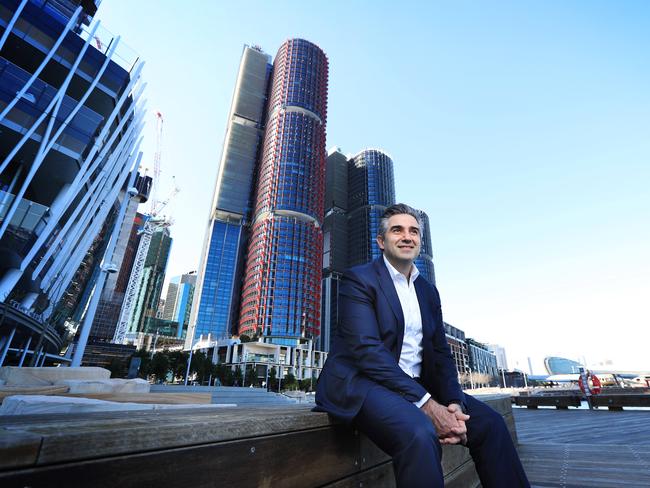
[(29, 300), (8, 281), (108, 253)]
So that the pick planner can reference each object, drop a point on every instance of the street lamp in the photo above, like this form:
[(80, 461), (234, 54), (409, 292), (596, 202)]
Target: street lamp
[(189, 360)]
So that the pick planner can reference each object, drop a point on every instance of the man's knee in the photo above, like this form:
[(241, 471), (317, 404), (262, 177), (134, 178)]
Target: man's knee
[(420, 435), (488, 423)]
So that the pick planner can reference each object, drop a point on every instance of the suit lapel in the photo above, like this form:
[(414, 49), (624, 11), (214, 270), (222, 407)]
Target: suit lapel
[(388, 288)]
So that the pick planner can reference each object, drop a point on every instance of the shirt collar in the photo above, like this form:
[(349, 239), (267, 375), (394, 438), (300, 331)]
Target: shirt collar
[(394, 274)]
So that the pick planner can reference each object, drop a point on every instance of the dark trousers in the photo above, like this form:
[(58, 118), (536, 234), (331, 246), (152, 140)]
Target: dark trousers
[(401, 429)]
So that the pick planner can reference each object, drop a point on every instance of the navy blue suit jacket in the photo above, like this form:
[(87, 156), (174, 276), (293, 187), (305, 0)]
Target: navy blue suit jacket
[(368, 341)]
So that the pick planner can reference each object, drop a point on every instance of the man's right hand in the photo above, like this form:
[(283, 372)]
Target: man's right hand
[(448, 421)]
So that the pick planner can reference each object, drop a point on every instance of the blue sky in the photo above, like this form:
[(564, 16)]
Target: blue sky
[(521, 128)]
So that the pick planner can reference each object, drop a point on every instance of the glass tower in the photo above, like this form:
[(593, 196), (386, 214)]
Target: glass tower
[(216, 299), (282, 284), (371, 188), (424, 262)]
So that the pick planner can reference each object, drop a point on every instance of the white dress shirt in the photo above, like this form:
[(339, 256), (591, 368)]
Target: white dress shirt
[(410, 358)]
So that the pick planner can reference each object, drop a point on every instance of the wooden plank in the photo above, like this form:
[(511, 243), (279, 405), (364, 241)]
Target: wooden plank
[(302, 459), (18, 448), (85, 438), (381, 476), (6, 391)]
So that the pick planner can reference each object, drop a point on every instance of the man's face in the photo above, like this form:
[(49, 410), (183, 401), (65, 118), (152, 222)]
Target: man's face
[(401, 243)]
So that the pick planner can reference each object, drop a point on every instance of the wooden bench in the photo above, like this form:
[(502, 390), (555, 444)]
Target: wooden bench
[(200, 447), (557, 401), (618, 401)]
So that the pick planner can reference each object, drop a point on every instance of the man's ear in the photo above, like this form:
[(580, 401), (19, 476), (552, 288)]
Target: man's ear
[(380, 242)]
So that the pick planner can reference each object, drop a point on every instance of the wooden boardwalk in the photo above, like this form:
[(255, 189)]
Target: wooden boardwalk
[(582, 448)]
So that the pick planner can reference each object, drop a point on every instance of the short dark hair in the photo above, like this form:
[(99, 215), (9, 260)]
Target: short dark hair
[(397, 209)]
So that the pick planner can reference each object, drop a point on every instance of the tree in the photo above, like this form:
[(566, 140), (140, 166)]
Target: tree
[(238, 376), (273, 379), (145, 363), (251, 375), (289, 381), (178, 363), (160, 366)]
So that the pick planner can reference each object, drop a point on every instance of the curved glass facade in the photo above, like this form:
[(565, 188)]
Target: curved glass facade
[(292, 172), (371, 188), (424, 262), (300, 72), (281, 291), (557, 365)]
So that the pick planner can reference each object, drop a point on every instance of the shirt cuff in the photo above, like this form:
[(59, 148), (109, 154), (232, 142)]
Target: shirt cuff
[(422, 400)]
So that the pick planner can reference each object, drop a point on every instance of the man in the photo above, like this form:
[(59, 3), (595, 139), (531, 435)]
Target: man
[(391, 373)]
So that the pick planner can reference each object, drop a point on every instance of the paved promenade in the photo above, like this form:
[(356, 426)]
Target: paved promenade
[(582, 448)]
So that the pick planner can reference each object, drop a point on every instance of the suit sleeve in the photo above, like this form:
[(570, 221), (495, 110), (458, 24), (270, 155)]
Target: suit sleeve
[(359, 329), (446, 389)]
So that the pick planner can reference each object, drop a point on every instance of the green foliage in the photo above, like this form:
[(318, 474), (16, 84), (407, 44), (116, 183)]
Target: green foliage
[(159, 366), (238, 377), (201, 366), (289, 382), (251, 376), (273, 379), (145, 363), (178, 363), (306, 384)]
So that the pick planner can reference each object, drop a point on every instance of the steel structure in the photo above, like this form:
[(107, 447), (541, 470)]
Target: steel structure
[(152, 223), (70, 117)]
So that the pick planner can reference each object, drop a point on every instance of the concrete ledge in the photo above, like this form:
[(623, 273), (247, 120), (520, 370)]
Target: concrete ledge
[(13, 375), (116, 385)]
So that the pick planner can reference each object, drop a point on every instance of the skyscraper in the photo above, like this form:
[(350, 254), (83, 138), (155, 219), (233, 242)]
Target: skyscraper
[(70, 123), (151, 282), (179, 301), (424, 262), (282, 285), (215, 308), (335, 242), (371, 188)]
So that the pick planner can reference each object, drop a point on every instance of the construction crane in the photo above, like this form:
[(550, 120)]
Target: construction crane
[(153, 221)]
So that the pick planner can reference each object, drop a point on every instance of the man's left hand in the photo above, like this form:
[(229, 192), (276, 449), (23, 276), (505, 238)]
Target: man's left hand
[(456, 409)]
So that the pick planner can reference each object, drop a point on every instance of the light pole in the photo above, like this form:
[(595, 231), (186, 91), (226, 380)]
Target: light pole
[(189, 360)]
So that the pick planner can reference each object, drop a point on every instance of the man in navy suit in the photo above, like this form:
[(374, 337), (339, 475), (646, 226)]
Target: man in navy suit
[(391, 373)]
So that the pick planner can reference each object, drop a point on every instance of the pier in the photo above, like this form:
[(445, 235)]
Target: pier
[(584, 448)]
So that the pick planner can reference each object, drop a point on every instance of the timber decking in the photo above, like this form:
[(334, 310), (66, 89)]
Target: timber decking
[(583, 448)]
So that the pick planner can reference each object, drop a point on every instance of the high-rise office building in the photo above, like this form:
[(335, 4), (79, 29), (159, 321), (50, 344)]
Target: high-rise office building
[(281, 296), (70, 121), (335, 242), (424, 262), (112, 298), (179, 301), (371, 189), (358, 190), (215, 308), (149, 289), (500, 353)]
